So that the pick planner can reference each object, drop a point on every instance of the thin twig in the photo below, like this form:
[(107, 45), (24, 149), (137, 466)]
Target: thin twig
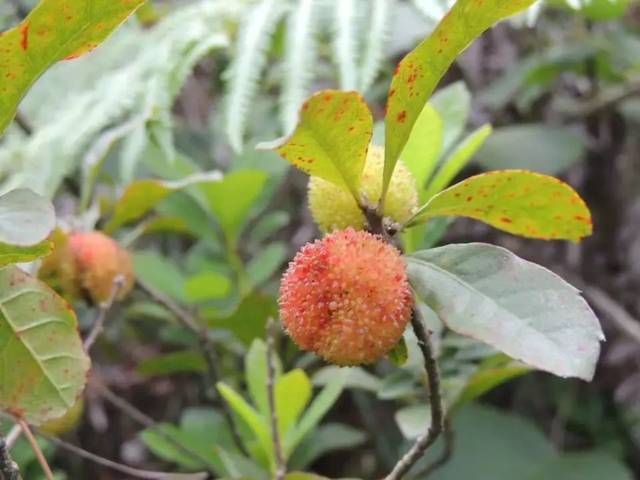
[(104, 308), (209, 351), (105, 462), (9, 469), (445, 456), (146, 421), (281, 467), (36, 449), (435, 398)]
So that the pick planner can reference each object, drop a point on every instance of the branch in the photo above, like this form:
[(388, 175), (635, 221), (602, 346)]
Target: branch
[(98, 325), (446, 453), (435, 397), (281, 467), (147, 422), (105, 462), (8, 468), (208, 349), (36, 449), (605, 99)]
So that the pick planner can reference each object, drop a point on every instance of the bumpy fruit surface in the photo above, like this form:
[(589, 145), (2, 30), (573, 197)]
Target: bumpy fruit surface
[(346, 297), (334, 208), (98, 260)]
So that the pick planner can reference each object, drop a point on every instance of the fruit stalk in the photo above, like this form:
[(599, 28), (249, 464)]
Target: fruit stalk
[(423, 442)]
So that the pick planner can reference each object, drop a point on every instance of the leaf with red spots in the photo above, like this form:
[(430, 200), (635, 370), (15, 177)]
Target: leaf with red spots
[(420, 71), (331, 139), (516, 201), (522, 309), (43, 366), (53, 31)]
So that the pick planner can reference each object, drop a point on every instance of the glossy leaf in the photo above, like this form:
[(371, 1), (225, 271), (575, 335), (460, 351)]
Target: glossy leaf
[(457, 160), (43, 366), (516, 201), (26, 218), (53, 31), (520, 308), (16, 254), (420, 71), (142, 195), (292, 394), (331, 139)]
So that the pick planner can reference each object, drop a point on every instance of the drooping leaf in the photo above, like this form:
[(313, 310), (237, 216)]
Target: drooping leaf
[(520, 308), (457, 160), (142, 195), (516, 201), (53, 31), (16, 254), (420, 71), (331, 139), (43, 366), (26, 218)]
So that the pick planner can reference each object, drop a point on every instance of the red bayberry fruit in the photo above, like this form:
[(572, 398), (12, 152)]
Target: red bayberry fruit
[(346, 297), (98, 260)]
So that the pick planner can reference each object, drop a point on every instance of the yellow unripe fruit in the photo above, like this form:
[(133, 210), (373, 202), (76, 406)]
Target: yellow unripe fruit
[(334, 208)]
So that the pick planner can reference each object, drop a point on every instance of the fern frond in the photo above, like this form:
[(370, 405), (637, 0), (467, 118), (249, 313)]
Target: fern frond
[(377, 35), (345, 43), (300, 58), (139, 82), (247, 66)]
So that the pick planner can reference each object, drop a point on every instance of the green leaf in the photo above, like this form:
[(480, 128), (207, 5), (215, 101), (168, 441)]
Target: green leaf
[(424, 146), (516, 201), (420, 71), (489, 375), (207, 286), (53, 31), (326, 439), (399, 354), (43, 368), (162, 274), (249, 320), (262, 267), (292, 394), (457, 160), (16, 254), (583, 466), (453, 104), (316, 411), (520, 308), (549, 150), (331, 139), (142, 195), (249, 416), (26, 218), (244, 187), (171, 363), (356, 377), (414, 420), (255, 373)]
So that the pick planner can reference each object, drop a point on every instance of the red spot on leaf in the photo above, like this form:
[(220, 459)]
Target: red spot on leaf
[(402, 116), (24, 36), (469, 198), (506, 220), (392, 92)]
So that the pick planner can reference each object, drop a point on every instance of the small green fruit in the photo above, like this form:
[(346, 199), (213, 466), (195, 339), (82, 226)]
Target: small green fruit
[(334, 208)]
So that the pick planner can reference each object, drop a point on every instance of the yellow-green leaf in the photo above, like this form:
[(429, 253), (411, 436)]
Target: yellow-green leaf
[(420, 71), (17, 254), (53, 31), (516, 201), (43, 366), (331, 139)]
